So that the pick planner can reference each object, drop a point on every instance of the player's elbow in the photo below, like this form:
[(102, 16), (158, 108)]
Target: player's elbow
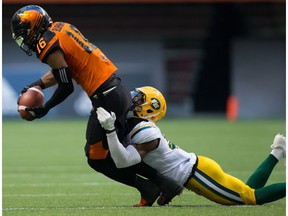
[(126, 162), (120, 165), (67, 89)]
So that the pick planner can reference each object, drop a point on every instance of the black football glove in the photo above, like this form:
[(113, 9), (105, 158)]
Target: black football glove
[(22, 92), (38, 112), (36, 83), (25, 89)]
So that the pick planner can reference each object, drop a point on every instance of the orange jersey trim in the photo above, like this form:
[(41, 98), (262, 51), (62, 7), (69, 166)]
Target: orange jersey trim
[(97, 152)]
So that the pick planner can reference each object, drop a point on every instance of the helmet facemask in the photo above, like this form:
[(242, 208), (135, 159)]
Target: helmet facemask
[(25, 44), (138, 98)]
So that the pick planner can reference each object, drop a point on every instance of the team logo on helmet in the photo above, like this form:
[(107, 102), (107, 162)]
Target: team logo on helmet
[(155, 103), (27, 25), (34, 18)]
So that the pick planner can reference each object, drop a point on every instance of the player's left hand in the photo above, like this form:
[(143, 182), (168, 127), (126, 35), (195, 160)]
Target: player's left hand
[(22, 92), (106, 119), (37, 112)]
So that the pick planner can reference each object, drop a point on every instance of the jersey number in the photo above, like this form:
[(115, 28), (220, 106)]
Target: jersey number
[(41, 45), (82, 41)]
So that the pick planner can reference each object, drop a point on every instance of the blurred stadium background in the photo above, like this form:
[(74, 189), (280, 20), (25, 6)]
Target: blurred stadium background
[(198, 53)]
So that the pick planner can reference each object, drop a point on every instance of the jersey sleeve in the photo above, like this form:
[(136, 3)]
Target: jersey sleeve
[(144, 132), (47, 45)]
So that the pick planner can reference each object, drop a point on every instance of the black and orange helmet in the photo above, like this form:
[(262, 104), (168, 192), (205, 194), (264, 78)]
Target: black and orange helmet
[(27, 26)]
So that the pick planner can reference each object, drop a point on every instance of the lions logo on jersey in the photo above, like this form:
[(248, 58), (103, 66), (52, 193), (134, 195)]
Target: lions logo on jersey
[(155, 103)]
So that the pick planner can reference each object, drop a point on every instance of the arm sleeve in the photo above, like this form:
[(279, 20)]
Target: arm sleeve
[(64, 89), (38, 83), (123, 157)]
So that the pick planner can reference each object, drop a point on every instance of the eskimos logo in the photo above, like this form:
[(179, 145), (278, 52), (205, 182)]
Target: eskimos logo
[(155, 103)]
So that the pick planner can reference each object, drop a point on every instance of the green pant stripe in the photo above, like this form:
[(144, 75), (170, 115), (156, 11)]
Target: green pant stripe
[(217, 184), (216, 188)]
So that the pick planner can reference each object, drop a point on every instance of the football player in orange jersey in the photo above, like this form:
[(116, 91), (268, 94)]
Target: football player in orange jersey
[(71, 56)]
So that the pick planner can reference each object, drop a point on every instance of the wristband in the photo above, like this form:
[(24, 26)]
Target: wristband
[(38, 83)]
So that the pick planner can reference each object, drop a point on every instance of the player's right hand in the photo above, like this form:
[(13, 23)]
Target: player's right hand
[(106, 119), (37, 112)]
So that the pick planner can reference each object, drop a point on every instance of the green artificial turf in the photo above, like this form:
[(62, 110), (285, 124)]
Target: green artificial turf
[(45, 170)]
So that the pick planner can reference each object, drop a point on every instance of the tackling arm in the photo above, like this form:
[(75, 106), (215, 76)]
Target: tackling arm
[(123, 157)]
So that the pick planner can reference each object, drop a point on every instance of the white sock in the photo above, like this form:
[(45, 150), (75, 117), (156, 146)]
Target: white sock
[(278, 153)]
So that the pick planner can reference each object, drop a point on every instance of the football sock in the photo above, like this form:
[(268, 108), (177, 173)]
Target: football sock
[(277, 152), (270, 193), (259, 178)]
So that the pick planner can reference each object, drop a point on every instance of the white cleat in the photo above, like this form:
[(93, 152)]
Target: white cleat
[(279, 147)]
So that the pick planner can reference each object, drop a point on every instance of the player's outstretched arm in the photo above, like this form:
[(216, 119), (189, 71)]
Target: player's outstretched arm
[(123, 157)]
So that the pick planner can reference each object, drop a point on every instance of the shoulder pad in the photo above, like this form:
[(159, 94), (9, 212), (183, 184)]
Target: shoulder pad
[(144, 132), (133, 121), (48, 35), (47, 45)]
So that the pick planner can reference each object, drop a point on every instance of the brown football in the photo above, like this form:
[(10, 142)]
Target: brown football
[(33, 97)]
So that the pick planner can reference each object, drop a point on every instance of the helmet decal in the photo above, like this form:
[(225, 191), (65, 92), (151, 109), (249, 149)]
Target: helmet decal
[(34, 18), (155, 103)]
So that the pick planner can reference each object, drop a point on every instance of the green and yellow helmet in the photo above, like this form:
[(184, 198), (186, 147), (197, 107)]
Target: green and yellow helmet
[(148, 103)]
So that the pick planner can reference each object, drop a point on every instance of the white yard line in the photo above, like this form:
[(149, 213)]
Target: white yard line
[(65, 208), (51, 195), (59, 184)]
